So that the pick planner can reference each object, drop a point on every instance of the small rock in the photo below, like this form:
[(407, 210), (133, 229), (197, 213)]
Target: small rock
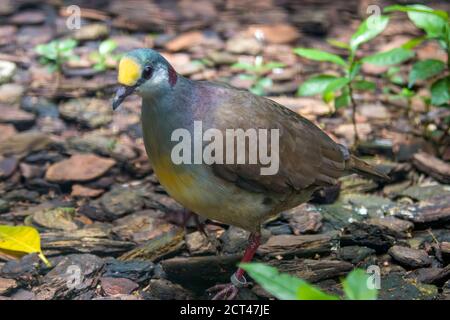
[(80, 167), (7, 131), (121, 200), (7, 167), (28, 17), (234, 240), (95, 142), (161, 289), (40, 106), (26, 268), (222, 58), (24, 143), (140, 227), (304, 219), (190, 68), (19, 118), (58, 218), (11, 93), (4, 206), (374, 112), (23, 294), (81, 191), (346, 131), (306, 107), (277, 33), (244, 45), (91, 31), (92, 113), (185, 41), (198, 244), (6, 285), (354, 254), (137, 271), (114, 286), (425, 192), (410, 257), (7, 71)]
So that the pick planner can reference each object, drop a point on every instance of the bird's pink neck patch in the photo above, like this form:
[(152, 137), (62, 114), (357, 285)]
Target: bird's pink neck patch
[(172, 76)]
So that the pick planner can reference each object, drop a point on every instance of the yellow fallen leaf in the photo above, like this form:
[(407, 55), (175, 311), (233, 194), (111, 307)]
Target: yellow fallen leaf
[(20, 240)]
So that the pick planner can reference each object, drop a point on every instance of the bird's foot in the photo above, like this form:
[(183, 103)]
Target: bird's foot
[(228, 291)]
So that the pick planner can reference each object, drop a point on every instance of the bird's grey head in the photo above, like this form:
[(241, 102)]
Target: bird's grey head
[(145, 72)]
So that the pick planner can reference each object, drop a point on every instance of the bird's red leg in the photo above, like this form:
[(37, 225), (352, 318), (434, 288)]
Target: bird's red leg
[(229, 291)]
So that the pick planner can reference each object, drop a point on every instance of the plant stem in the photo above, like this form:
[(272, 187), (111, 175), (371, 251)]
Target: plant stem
[(353, 102)]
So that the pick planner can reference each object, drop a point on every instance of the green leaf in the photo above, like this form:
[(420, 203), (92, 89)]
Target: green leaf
[(308, 292), (426, 18), (421, 15), (336, 85), (66, 45), (354, 70), (273, 65), (440, 91), (283, 286), (390, 57), (433, 24), (20, 240), (369, 29), (414, 42), (364, 85), (107, 46), (315, 85), (356, 286), (338, 44), (243, 66), (343, 100), (319, 55), (425, 69)]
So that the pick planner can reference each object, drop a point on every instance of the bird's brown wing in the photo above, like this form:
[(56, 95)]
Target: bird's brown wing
[(307, 156)]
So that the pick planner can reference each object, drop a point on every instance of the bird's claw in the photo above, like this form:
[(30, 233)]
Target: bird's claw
[(224, 291), (228, 291)]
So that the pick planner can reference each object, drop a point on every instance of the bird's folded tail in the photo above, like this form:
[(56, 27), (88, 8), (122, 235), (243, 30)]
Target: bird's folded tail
[(356, 165)]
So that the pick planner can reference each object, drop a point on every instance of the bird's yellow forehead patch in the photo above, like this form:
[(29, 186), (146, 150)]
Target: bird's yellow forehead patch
[(129, 72)]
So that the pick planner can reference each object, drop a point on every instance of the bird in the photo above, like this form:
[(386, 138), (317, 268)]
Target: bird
[(232, 193)]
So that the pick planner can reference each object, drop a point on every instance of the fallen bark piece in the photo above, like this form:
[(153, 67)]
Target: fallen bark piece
[(6, 285), (84, 241), (302, 246), (354, 254), (409, 257), (80, 167), (60, 283), (363, 234), (432, 166), (313, 270), (198, 273), (434, 211), (432, 275), (115, 286), (395, 227), (162, 289), (395, 286), (163, 245)]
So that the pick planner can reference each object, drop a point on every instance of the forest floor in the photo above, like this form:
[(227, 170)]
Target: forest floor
[(80, 175)]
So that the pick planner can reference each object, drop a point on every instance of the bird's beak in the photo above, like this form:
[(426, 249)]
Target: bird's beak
[(121, 94)]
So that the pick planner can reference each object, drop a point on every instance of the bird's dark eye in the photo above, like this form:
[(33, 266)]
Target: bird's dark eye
[(147, 73)]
